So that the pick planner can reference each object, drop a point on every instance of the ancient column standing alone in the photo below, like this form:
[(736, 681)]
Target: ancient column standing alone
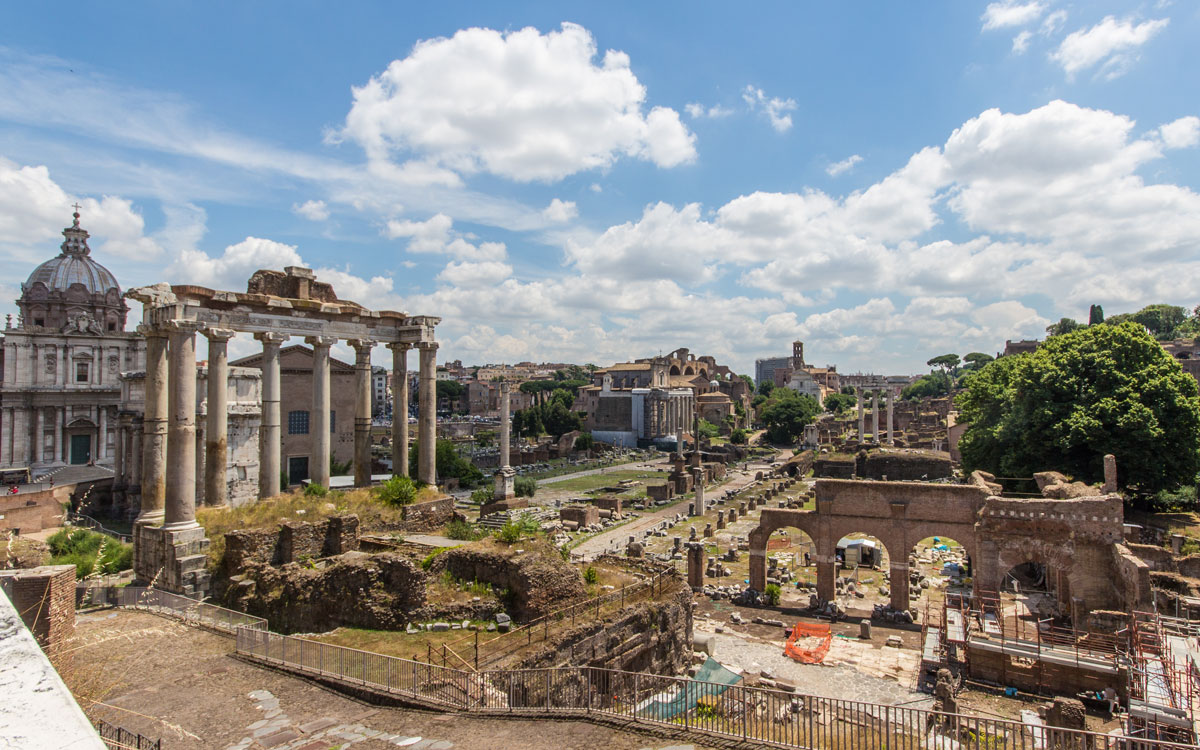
[(427, 416), (504, 488), (318, 460), (268, 434), (891, 397), (181, 435), (216, 451), (875, 415), (362, 412), (862, 422), (154, 425), (399, 409)]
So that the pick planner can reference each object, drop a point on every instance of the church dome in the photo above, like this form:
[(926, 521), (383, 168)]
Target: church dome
[(71, 291), (74, 265)]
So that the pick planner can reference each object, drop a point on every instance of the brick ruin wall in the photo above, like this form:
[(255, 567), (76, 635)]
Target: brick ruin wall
[(538, 580), (45, 599), (903, 467), (834, 466)]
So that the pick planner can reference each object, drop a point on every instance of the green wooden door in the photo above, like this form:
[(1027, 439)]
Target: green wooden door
[(81, 449)]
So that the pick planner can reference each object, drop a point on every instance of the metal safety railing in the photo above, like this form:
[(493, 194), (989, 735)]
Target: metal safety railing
[(117, 738), (772, 717), (163, 602)]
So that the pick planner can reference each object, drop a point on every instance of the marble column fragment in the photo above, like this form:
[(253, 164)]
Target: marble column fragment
[(427, 416), (181, 426)]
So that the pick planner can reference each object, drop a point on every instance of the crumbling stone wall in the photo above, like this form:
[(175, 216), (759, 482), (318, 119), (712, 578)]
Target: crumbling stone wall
[(897, 466), (292, 541), (382, 592), (581, 515), (653, 636), (428, 515), (834, 466), (537, 579)]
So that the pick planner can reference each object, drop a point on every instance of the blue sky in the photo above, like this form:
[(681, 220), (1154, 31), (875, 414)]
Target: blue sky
[(593, 183)]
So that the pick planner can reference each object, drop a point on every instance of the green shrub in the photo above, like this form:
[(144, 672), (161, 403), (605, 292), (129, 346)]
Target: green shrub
[(1173, 501), (397, 491), (738, 436), (462, 531), (314, 489), (525, 486), (590, 575), (510, 532), (81, 548), (482, 496), (772, 593)]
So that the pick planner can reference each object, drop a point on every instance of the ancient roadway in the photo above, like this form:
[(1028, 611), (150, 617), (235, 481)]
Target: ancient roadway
[(613, 540)]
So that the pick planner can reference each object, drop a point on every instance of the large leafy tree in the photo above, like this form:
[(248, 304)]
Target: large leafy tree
[(1096, 390), (786, 413)]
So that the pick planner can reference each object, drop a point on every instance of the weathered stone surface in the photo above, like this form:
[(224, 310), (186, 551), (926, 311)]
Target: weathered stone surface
[(537, 578)]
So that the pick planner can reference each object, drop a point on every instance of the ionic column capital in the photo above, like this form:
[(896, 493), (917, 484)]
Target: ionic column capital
[(360, 344), (426, 345), (271, 338), (322, 341), (218, 335), (399, 346), (150, 331)]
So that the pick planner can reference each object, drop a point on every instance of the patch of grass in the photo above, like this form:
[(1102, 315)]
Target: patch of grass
[(607, 479), (463, 531), (90, 552)]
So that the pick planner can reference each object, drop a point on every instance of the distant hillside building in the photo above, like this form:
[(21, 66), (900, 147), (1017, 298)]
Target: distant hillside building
[(60, 365)]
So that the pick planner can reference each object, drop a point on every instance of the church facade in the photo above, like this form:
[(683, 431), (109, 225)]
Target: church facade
[(60, 364)]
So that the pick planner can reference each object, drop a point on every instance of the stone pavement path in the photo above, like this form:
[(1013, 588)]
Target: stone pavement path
[(614, 540), (276, 731)]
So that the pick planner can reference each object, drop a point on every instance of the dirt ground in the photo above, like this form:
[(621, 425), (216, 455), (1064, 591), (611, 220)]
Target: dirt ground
[(163, 679)]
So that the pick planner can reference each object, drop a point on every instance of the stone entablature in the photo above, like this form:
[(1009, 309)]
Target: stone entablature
[(172, 316)]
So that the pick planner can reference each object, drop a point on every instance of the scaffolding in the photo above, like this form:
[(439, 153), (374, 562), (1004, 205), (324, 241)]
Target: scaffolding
[(1164, 677)]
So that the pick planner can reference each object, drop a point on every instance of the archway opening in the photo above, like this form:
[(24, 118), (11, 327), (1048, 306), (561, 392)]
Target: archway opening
[(943, 573), (1031, 598), (674, 370), (792, 565), (862, 566)]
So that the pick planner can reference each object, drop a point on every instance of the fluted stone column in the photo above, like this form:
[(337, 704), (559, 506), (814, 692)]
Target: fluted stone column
[(118, 446), (135, 453), (318, 460), (891, 397), (181, 434), (862, 422), (153, 475), (875, 415), (60, 424), (362, 412), (400, 408), (216, 423), (268, 434), (427, 416)]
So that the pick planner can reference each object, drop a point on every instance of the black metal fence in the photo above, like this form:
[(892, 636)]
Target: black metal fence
[(773, 717), (117, 738)]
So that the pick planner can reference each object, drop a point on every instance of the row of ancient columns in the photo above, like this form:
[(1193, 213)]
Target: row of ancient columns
[(668, 414), (858, 394), (168, 446)]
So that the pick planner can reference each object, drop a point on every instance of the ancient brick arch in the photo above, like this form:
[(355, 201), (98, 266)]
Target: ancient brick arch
[(1075, 538), (898, 514)]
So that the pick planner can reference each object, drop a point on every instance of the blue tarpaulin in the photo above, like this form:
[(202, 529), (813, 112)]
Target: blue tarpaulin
[(712, 679)]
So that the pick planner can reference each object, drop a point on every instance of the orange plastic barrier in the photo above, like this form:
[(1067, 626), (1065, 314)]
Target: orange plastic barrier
[(808, 644)]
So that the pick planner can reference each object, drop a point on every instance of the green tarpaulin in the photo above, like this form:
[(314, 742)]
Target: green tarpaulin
[(712, 680)]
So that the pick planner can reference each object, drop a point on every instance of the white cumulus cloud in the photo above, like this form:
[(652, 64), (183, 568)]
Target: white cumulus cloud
[(1009, 13), (437, 235), (560, 211), (520, 104), (1182, 133), (1112, 44), (696, 111)]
